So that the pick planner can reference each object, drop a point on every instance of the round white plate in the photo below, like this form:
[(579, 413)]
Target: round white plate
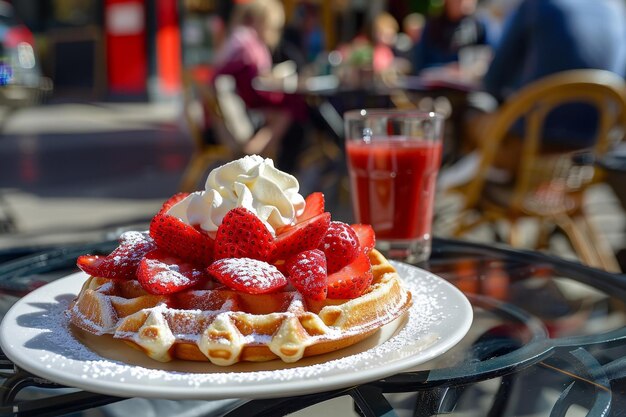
[(36, 336)]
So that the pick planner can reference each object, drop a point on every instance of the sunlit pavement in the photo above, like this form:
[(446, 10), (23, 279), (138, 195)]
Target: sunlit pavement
[(85, 150), (71, 169)]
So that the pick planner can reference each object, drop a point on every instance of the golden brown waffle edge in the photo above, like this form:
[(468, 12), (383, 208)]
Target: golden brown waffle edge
[(224, 326)]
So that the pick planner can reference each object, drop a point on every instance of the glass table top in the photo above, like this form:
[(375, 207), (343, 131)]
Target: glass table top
[(548, 338)]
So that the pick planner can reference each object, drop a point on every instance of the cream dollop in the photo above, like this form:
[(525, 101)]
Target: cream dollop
[(250, 182)]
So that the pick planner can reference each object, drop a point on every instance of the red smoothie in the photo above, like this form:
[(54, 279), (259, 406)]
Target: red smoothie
[(393, 185)]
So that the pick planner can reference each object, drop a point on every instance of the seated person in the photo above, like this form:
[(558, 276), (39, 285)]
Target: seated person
[(256, 29), (444, 35), (543, 37), (384, 33), (412, 27), (303, 39)]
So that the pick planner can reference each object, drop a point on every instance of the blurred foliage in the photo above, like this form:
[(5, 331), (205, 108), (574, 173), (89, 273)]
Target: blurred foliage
[(426, 7)]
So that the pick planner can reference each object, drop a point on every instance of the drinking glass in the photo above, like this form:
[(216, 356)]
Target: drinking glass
[(393, 160)]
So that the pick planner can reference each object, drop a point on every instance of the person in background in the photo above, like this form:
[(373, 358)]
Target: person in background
[(412, 28), (444, 35), (303, 39), (373, 46), (313, 33), (256, 28), (543, 37), (384, 33), (494, 13)]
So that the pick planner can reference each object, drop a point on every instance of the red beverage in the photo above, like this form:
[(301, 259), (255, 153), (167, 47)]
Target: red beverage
[(393, 185)]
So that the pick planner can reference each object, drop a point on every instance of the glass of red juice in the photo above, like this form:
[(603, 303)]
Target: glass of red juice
[(393, 159)]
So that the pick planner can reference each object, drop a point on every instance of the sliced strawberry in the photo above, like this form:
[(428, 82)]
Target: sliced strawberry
[(247, 275), (314, 205), (340, 244), (366, 235), (160, 273), (182, 240), (351, 280), (243, 235), (307, 272), (123, 261), (176, 198), (300, 237)]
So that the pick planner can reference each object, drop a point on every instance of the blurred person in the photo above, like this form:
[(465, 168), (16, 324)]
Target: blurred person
[(495, 13), (256, 28), (303, 39), (290, 48), (373, 46), (446, 34), (410, 35), (384, 34), (543, 37), (313, 42), (413, 25)]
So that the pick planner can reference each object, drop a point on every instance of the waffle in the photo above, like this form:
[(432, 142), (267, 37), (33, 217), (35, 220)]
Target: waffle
[(225, 326)]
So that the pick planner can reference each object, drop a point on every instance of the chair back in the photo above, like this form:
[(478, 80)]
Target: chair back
[(193, 111), (233, 112), (202, 111), (214, 107), (544, 177)]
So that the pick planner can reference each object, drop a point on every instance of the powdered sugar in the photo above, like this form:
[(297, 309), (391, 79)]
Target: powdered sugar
[(307, 272), (310, 280), (123, 261), (135, 237), (133, 246), (433, 326), (166, 274), (248, 275)]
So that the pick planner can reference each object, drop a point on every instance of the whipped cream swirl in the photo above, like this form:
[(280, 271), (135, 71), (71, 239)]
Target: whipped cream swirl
[(250, 182)]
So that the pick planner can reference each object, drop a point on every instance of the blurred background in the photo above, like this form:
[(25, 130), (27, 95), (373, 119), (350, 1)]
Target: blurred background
[(103, 111)]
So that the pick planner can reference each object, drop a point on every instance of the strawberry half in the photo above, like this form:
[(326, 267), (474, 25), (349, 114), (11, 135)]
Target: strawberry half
[(307, 273), (314, 205), (182, 240), (366, 236), (351, 280), (123, 261), (301, 237), (160, 273), (176, 198), (247, 275), (243, 235), (340, 244)]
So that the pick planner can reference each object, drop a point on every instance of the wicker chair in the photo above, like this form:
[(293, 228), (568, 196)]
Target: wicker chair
[(548, 186), (230, 132)]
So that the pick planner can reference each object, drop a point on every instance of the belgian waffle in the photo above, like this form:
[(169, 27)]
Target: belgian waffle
[(224, 326)]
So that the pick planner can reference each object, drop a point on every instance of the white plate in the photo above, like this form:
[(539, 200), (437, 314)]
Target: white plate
[(35, 335)]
